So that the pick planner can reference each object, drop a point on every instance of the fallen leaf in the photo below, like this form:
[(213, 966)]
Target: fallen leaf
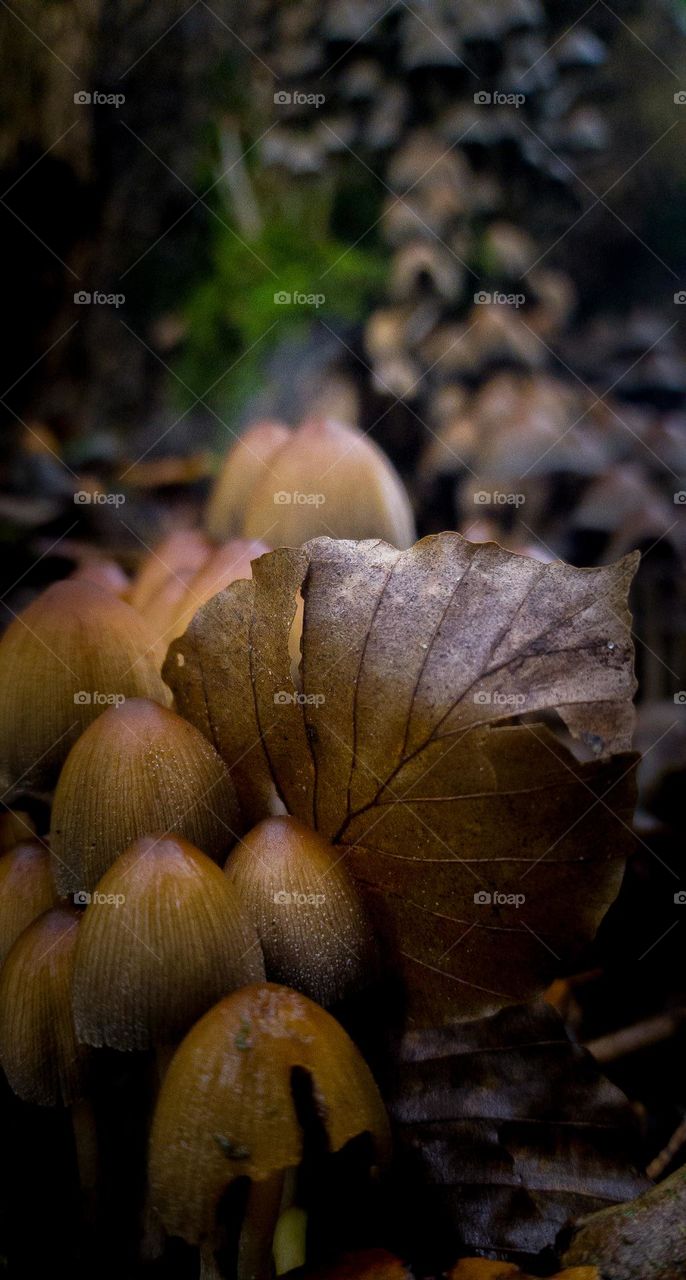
[(485, 850), (505, 1130)]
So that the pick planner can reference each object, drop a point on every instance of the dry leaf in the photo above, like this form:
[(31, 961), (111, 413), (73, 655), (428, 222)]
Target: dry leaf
[(505, 1131), (371, 1264), (485, 850)]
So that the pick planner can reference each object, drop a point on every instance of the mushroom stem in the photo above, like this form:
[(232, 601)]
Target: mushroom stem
[(209, 1269), (86, 1145), (259, 1223), (290, 1240)]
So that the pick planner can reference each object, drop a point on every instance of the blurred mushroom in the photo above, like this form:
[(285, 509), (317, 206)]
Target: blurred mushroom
[(247, 461)]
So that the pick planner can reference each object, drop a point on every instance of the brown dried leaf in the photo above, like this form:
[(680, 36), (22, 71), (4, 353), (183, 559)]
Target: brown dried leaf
[(395, 747)]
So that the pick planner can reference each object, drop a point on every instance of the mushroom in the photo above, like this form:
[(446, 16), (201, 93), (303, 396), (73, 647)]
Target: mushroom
[(174, 560), (138, 769), (15, 826), (165, 936), (223, 566), (246, 462), (39, 1052), (313, 928), (226, 1110), (26, 890), (76, 649), (329, 479)]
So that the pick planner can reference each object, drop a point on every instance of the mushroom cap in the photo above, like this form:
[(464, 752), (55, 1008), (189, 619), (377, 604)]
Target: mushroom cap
[(223, 566), (26, 890), (310, 919), (226, 1106), (246, 462), (329, 479), (75, 646), (139, 768), (16, 827), (164, 937), (39, 1052), (177, 558)]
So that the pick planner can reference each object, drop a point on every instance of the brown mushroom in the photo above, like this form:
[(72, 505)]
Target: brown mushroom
[(138, 768)]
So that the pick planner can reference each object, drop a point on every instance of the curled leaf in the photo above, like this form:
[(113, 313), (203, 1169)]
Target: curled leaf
[(485, 849)]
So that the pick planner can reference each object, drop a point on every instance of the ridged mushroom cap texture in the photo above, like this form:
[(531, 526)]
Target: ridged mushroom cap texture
[(329, 479), (163, 939), (177, 557), (139, 769), (245, 463), (75, 646), (313, 927), (226, 1106), (39, 1052), (26, 890)]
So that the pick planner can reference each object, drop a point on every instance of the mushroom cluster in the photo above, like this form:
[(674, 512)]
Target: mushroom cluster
[(140, 920)]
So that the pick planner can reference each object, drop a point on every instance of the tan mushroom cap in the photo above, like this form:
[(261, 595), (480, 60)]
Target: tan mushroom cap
[(39, 1052), (163, 939), (248, 461), (138, 768), (176, 558), (74, 647), (311, 922), (226, 1106), (26, 890), (16, 827), (336, 483)]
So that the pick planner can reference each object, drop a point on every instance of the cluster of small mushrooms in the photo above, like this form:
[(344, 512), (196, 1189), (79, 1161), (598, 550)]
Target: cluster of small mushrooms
[(136, 912)]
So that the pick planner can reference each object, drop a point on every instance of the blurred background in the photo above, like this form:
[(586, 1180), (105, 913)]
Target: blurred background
[(458, 224)]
